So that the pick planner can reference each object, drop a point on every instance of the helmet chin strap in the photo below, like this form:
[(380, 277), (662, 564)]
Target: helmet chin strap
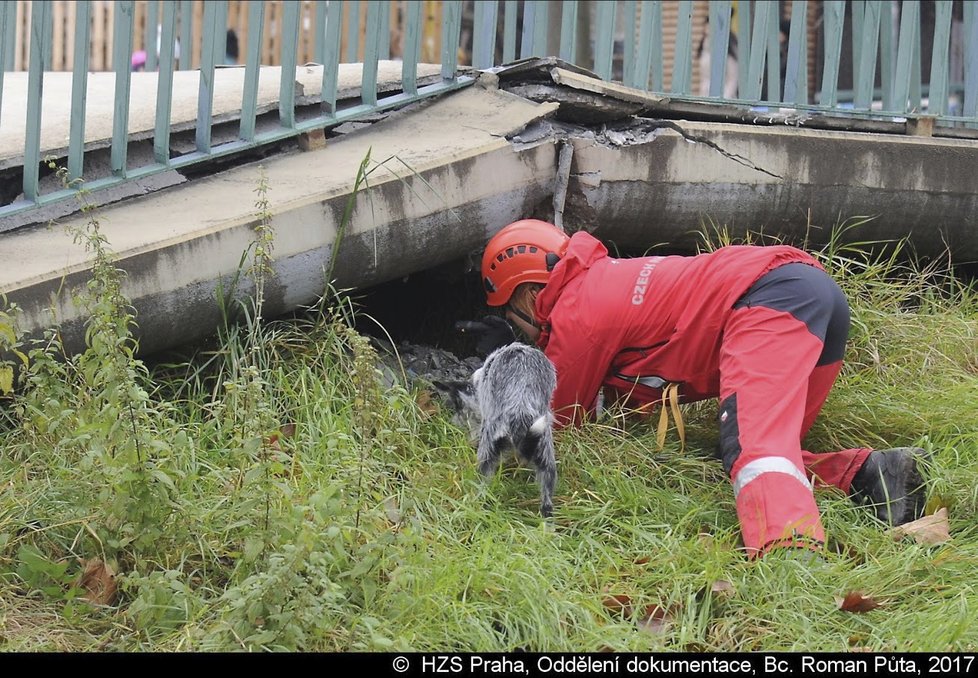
[(523, 316)]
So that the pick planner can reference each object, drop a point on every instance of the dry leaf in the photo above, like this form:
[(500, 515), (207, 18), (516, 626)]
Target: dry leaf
[(618, 604), (288, 430), (642, 561), (723, 589), (655, 619), (856, 601), (927, 530), (426, 402), (98, 580)]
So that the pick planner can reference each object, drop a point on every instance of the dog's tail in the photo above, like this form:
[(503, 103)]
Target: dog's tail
[(529, 447)]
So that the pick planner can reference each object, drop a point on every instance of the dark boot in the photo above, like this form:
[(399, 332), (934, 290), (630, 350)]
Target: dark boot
[(891, 483)]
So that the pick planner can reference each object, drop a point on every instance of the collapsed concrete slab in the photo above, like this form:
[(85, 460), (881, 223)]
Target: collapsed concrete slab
[(442, 177)]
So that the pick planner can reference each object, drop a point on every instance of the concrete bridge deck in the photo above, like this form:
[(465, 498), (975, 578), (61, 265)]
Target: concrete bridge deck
[(457, 168)]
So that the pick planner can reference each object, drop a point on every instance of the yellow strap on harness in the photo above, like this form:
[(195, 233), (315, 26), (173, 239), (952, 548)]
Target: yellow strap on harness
[(670, 401)]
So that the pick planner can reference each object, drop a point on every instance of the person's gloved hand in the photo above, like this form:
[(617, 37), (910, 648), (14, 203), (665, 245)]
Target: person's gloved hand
[(492, 332)]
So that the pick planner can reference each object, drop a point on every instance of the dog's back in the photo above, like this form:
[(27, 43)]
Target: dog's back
[(514, 389)]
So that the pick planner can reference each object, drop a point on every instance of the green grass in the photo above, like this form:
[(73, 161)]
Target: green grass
[(369, 529)]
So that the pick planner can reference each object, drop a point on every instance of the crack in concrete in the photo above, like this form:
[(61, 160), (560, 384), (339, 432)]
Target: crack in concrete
[(736, 157)]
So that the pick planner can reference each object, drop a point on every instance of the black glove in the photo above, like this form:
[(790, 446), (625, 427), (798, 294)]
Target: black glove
[(492, 332)]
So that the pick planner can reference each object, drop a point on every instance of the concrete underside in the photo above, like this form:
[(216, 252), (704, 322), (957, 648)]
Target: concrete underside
[(459, 168)]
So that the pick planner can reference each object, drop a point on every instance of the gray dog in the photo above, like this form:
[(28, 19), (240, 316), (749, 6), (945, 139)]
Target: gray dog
[(514, 388)]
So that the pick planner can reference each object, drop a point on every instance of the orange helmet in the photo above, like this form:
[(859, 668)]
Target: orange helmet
[(525, 251)]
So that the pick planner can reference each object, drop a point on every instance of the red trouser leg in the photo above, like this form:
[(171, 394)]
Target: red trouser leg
[(766, 359), (830, 469)]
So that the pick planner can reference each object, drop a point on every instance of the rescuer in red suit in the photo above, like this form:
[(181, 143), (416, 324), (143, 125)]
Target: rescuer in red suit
[(762, 328)]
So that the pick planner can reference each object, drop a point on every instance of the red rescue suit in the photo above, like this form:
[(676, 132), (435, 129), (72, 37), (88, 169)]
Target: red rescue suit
[(761, 328)]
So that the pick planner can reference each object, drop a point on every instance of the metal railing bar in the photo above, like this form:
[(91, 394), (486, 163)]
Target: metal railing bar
[(774, 53), (834, 14), (795, 84), (208, 58), (509, 30), (35, 91), (867, 55), (249, 94), (887, 50), (937, 102), (371, 53), (568, 31), (604, 39), (630, 16), (79, 91), (412, 49), (352, 30), (484, 34), (121, 61), (540, 22), (719, 45), (289, 44), (529, 21), (900, 91), (682, 61), (450, 29), (164, 86)]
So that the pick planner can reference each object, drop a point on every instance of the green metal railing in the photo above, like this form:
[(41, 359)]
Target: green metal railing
[(876, 45), (330, 22)]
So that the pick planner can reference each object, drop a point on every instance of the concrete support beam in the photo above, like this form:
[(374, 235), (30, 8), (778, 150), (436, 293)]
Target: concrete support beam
[(650, 181)]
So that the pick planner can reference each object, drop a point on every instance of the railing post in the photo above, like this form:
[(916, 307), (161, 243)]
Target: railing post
[(719, 45), (371, 53), (249, 96), (412, 48), (164, 86), (867, 56), (908, 28), (451, 26), (35, 90), (682, 59), (210, 35), (122, 65), (937, 96), (484, 34), (568, 30), (604, 39), (796, 79), (834, 14), (79, 91), (289, 58), (509, 30)]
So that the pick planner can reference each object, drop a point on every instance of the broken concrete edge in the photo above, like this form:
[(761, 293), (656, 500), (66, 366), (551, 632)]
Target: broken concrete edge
[(620, 101)]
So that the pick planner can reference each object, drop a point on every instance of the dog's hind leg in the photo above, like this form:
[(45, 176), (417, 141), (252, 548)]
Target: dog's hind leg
[(538, 448), (490, 451)]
